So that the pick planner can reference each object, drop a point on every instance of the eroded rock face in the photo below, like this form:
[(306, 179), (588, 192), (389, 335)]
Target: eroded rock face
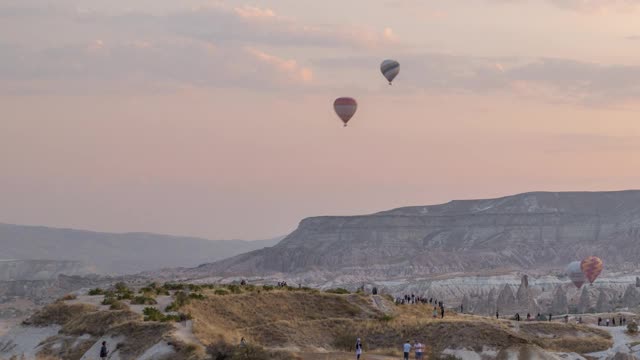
[(559, 304), (631, 297), (527, 231), (584, 306)]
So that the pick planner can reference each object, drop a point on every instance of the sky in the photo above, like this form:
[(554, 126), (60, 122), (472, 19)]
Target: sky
[(214, 118)]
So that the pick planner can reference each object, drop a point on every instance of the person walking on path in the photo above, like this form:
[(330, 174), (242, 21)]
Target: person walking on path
[(104, 351), (419, 349), (358, 349), (497, 315), (406, 348)]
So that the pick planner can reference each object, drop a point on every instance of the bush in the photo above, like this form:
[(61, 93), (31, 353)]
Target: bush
[(96, 291), (386, 318), (197, 296), (267, 287), (221, 292), (180, 300), (632, 328), (118, 305), (234, 289), (152, 314), (174, 287), (121, 287), (338, 291), (143, 300), (68, 297), (109, 300)]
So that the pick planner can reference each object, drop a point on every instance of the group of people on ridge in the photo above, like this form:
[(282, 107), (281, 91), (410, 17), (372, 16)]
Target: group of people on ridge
[(612, 322)]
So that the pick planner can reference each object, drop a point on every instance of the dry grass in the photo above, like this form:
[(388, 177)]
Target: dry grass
[(139, 336), (567, 337), (98, 323), (302, 320), (59, 313)]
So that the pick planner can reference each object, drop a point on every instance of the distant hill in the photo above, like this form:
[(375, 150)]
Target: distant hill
[(533, 231), (109, 253)]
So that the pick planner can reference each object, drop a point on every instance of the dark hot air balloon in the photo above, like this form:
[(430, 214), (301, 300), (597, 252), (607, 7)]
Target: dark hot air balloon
[(574, 271), (390, 69), (345, 107)]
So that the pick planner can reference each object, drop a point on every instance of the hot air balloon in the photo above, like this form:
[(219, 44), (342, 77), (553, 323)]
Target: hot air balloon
[(591, 267), (345, 107), (390, 69), (574, 271)]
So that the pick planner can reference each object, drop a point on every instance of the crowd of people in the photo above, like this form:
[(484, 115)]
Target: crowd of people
[(415, 299), (622, 321)]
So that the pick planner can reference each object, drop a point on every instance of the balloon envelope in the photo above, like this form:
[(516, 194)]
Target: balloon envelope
[(591, 267), (345, 107), (390, 69), (574, 271)]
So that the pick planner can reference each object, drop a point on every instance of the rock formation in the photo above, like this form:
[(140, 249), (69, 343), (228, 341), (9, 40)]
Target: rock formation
[(584, 305), (559, 304), (631, 297)]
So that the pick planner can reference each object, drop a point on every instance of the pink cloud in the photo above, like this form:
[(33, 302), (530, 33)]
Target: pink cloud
[(286, 66)]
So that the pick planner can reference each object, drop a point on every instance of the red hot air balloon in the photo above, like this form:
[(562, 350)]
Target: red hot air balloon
[(345, 107), (591, 267)]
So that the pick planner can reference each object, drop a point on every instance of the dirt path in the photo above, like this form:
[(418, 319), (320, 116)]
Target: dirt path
[(621, 342), (344, 356)]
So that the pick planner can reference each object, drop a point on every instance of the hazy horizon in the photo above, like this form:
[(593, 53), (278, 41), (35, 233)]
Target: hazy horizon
[(214, 119)]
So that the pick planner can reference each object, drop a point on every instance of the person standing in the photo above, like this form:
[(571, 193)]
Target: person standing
[(550, 317), (419, 349), (406, 348), (358, 349), (435, 312), (497, 314), (104, 351)]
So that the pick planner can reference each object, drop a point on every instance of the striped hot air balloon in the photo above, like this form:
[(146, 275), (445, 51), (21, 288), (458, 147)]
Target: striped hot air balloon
[(575, 274), (345, 107), (591, 267), (390, 69)]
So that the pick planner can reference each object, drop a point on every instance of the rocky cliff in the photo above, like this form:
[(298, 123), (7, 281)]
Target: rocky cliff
[(533, 232)]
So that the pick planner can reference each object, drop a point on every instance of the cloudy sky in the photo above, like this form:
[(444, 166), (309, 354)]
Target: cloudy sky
[(214, 118)]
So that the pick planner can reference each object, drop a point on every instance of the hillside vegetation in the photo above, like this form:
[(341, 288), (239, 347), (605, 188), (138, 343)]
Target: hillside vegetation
[(282, 323)]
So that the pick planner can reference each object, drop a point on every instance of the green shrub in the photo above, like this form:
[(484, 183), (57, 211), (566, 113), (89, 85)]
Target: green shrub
[(338, 291), (234, 289), (152, 314), (221, 292), (121, 287), (118, 305), (197, 296), (632, 327), (143, 300), (109, 300), (96, 291), (267, 287), (386, 318), (174, 287)]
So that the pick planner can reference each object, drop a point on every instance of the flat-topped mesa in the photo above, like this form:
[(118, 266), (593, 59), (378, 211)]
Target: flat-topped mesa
[(537, 231)]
